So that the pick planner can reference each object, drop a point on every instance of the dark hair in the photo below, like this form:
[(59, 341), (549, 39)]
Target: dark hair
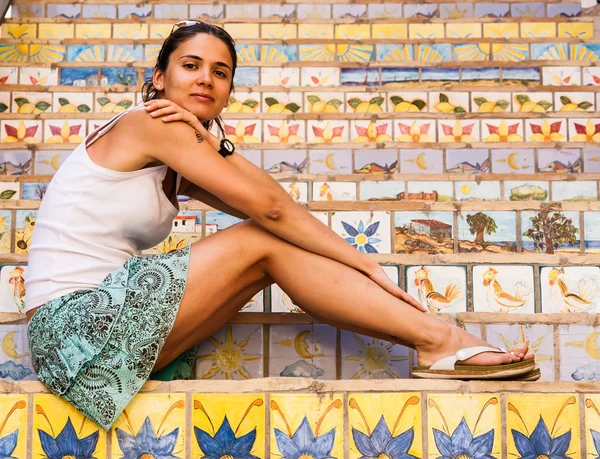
[(173, 41)]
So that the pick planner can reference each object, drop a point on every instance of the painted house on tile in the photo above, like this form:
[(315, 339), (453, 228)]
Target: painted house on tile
[(186, 224), (431, 228)]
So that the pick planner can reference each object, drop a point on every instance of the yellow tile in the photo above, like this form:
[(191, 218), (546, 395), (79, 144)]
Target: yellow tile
[(243, 30), (93, 31), (556, 414), (245, 414), (322, 414), (14, 422), (160, 30), (576, 30), (479, 414), (279, 31), (133, 31), (592, 422), (401, 412), (53, 415), (160, 415), (399, 31), (353, 31), (315, 31), (538, 29), (463, 30), (425, 31), (502, 30), (25, 31), (50, 31)]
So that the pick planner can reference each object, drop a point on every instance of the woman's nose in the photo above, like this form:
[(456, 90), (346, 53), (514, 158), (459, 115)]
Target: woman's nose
[(204, 78)]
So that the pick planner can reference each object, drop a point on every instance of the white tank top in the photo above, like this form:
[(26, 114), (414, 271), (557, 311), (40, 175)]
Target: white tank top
[(92, 220)]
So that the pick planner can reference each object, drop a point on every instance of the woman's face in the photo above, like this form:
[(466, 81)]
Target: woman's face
[(198, 77)]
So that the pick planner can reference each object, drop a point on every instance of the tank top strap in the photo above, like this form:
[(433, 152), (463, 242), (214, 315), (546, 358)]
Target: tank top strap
[(101, 130)]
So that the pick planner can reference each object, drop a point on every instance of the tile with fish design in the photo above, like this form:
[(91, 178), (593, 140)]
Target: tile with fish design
[(364, 357), (498, 130), (550, 231), (298, 191), (72, 102), (14, 420), (12, 290), (385, 425), (368, 232), (233, 352), (370, 131), (419, 233), (421, 11), (334, 191), (492, 10), (485, 231), (228, 425), (477, 191), (285, 76), (543, 422), (15, 361), (509, 161), (376, 162), (546, 131), (151, 425), (438, 288), (310, 425), (283, 131), (503, 288), (15, 162), (426, 161), (458, 131), (243, 131), (460, 424), (585, 130), (415, 131), (34, 191), (306, 351), (592, 424), (388, 190), (320, 77), (539, 337), (313, 11), (27, 131), (47, 162), (467, 161), (58, 426), (290, 161), (449, 102), (330, 161), (570, 288), (332, 131), (65, 131), (591, 160), (135, 11), (575, 191), (561, 161), (31, 102), (438, 191)]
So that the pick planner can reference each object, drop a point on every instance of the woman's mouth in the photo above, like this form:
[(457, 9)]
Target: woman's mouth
[(203, 97)]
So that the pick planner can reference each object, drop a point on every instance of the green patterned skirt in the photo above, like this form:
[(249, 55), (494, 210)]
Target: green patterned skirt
[(96, 348)]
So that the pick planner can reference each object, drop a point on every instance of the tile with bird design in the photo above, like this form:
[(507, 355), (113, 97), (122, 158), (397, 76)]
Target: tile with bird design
[(484, 231), (559, 160), (438, 288), (376, 162), (290, 161), (389, 31), (570, 289), (503, 288), (538, 29)]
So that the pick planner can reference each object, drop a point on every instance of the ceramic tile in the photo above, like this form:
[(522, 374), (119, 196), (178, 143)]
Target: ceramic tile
[(15, 162), (521, 75), (402, 102), (425, 31), (294, 417), (515, 281), (576, 191), (438, 288), (590, 76), (528, 10), (449, 102), (278, 102), (277, 131), (570, 289), (256, 303), (333, 131), (342, 11), (37, 54), (47, 162), (457, 10), (375, 162), (5, 235), (321, 102), (415, 131), (491, 102), (458, 131), (359, 76), (123, 76), (330, 161), (286, 76), (472, 52), (247, 76), (564, 10), (302, 351), (100, 11), (474, 191), (18, 31), (320, 77), (518, 161), (592, 421), (278, 31), (584, 130), (281, 301), (81, 77), (15, 422), (247, 53), (12, 290), (562, 161), (497, 130), (370, 131), (9, 191), (55, 416), (186, 229), (276, 53), (421, 161), (574, 102), (492, 10), (170, 11), (578, 347), (31, 102), (217, 221), (242, 131), (278, 11), (207, 11), (24, 223), (399, 53), (512, 53), (21, 131), (526, 191), (368, 232), (59, 131), (298, 191), (93, 31), (352, 31), (313, 11), (290, 161), (438, 191), (372, 416), (550, 52), (539, 420), (113, 102), (385, 11), (501, 30), (364, 357), (481, 75), (86, 53), (56, 31), (475, 418), (486, 231), (389, 190), (421, 11), (4, 102), (135, 11), (334, 191), (561, 76), (546, 131), (463, 30), (244, 102), (63, 11), (394, 76), (467, 161), (538, 29), (9, 75), (28, 11), (130, 31), (220, 414), (33, 191), (585, 52), (550, 232), (365, 103), (242, 11), (72, 102), (416, 232), (591, 160)]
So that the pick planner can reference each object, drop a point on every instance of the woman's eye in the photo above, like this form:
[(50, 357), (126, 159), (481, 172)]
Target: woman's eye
[(222, 74), (189, 66)]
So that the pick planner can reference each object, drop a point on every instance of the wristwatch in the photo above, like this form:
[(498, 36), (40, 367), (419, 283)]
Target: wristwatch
[(227, 148)]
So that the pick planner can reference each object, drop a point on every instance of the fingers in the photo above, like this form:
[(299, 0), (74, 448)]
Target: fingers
[(165, 111), (410, 300)]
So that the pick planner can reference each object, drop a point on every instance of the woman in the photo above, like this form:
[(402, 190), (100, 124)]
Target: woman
[(103, 319)]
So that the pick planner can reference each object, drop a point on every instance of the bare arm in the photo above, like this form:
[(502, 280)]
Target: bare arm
[(200, 194)]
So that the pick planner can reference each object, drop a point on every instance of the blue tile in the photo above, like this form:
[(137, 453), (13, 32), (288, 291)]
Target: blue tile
[(589, 52), (522, 75), (85, 53), (360, 77), (34, 191), (124, 53), (433, 53), (64, 11), (278, 53), (248, 53), (442, 75), (481, 74), (421, 11), (399, 53), (79, 76), (246, 76), (125, 76), (549, 51), (391, 75)]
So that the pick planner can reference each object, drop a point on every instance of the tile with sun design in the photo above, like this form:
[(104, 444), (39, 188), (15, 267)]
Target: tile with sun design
[(511, 52), (18, 31), (460, 423), (294, 417), (36, 54), (541, 421), (170, 11), (478, 191), (243, 31), (31, 102), (86, 53), (233, 352), (394, 53), (449, 102), (278, 102), (63, 11), (302, 350), (150, 420), (473, 52), (416, 232), (334, 191), (457, 11), (14, 422), (490, 102), (290, 161), (502, 288), (458, 131), (15, 360), (578, 348), (56, 31), (55, 416), (284, 131), (540, 338), (484, 231), (438, 288), (550, 52), (591, 160), (385, 11), (130, 31), (330, 161), (362, 131), (238, 417), (402, 102), (347, 11), (21, 131), (421, 161), (538, 29), (28, 11), (364, 357), (562, 160), (135, 11), (72, 102), (368, 232), (528, 10), (93, 30), (463, 30), (298, 191), (65, 131), (584, 30), (10, 75), (315, 31), (388, 190), (100, 11), (570, 289), (313, 11), (376, 162), (278, 53), (389, 31), (285, 76)]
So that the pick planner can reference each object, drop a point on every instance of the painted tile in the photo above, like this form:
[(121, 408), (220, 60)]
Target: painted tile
[(215, 416), (71, 102), (100, 11), (590, 76), (437, 191), (93, 30), (526, 191), (245, 11), (16, 31), (243, 102), (86, 53), (490, 102), (388, 190), (422, 11), (393, 76), (278, 31), (365, 103), (561, 76), (8, 75), (56, 31), (33, 191), (591, 160), (243, 131), (31, 102), (562, 161), (21, 131), (538, 29), (290, 161), (501, 30), (420, 31), (570, 289), (574, 102), (515, 281), (330, 161), (418, 233), (276, 53), (359, 76), (492, 10), (256, 303), (15, 162), (334, 191), (321, 102), (576, 30), (485, 231), (63, 11), (368, 232), (313, 11), (394, 417), (278, 11), (69, 131), (496, 130), (12, 290), (529, 10), (9, 191), (320, 77), (433, 53), (474, 191), (135, 11), (540, 339), (578, 353), (25, 222), (467, 161), (481, 75), (246, 76), (550, 52), (286, 76), (47, 162), (364, 357), (287, 103), (399, 53), (458, 131), (473, 52), (170, 11), (578, 191), (473, 418), (438, 288), (585, 52), (370, 131), (4, 102), (415, 131), (295, 417), (298, 191), (518, 161), (80, 77), (550, 232), (207, 11), (124, 76), (333, 131), (5, 228), (15, 422), (37, 54), (407, 101), (512, 53), (342, 11), (564, 10), (186, 229), (113, 102), (385, 11), (474, 329), (28, 11), (545, 131), (217, 221), (584, 130), (540, 420), (449, 102), (592, 418), (277, 131), (457, 11), (427, 161), (302, 351), (376, 162), (131, 31), (463, 30), (55, 416)]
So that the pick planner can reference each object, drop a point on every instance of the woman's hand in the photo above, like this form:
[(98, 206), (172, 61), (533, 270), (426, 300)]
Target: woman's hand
[(381, 278)]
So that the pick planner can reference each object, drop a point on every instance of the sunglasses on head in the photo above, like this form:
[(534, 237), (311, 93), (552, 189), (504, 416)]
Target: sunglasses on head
[(188, 23)]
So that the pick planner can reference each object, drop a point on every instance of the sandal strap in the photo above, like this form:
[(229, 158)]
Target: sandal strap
[(447, 363)]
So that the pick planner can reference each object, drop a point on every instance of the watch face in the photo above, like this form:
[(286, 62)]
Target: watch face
[(227, 145)]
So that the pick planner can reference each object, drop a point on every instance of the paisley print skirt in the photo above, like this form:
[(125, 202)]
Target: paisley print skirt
[(96, 348)]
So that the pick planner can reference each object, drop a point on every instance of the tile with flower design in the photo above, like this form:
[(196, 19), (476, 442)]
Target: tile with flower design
[(561, 161), (24, 223), (368, 232), (550, 232), (228, 425), (438, 288), (415, 131), (584, 130), (4, 102), (65, 131), (467, 161), (438, 191), (10, 75), (376, 162), (570, 289), (496, 130), (503, 288), (58, 426), (536, 422), (152, 424), (407, 102), (73, 102), (485, 231), (284, 131), (31, 102), (243, 131), (334, 191), (561, 76), (387, 190), (290, 161), (575, 191), (285, 76), (370, 131), (47, 162), (320, 77), (458, 131), (364, 357), (286, 103), (538, 29), (590, 76), (591, 160), (421, 161), (21, 131), (298, 191), (14, 422), (546, 131), (302, 351), (313, 11), (477, 191), (330, 161), (539, 337), (509, 161), (462, 423), (332, 131), (416, 232)]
